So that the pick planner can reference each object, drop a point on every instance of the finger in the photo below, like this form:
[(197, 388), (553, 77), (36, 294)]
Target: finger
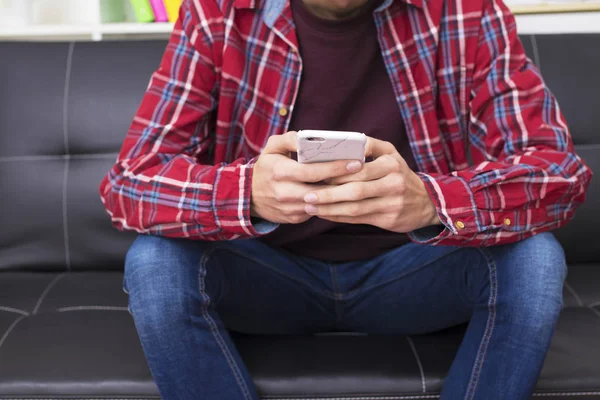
[(317, 172), (371, 171), (281, 144), (276, 215), (297, 219), (350, 208), (376, 148), (353, 191), (293, 192), (289, 209)]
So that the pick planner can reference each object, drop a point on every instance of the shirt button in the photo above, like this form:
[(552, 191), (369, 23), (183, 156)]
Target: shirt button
[(460, 225), (283, 111), (507, 221)]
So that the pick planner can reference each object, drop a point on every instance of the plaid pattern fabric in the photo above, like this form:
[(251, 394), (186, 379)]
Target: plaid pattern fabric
[(228, 81)]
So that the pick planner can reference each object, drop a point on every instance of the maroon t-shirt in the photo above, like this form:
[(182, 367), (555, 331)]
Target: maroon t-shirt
[(344, 86)]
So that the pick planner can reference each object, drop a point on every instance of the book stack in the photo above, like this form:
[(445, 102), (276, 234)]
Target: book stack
[(156, 10)]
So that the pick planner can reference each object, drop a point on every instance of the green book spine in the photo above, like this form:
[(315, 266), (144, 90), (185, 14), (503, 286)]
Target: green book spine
[(112, 11), (142, 10)]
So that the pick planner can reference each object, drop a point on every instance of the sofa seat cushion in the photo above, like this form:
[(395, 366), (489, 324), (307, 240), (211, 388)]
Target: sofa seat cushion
[(70, 335)]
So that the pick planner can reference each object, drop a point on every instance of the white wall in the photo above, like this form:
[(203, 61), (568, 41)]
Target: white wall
[(65, 11), (588, 22), (14, 12)]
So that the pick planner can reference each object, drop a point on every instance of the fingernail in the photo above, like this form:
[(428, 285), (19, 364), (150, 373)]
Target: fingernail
[(310, 209), (310, 198), (353, 166)]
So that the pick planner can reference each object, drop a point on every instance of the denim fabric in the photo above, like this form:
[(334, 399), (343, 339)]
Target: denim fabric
[(186, 295)]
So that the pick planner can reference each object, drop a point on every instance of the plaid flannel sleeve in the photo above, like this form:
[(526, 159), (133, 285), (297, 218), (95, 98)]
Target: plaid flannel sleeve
[(163, 182), (526, 176)]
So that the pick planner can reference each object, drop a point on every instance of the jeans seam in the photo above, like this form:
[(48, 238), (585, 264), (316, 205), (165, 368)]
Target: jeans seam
[(275, 270), (214, 330), (489, 329)]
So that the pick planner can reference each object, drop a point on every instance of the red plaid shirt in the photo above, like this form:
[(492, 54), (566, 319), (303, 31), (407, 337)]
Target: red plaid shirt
[(229, 78)]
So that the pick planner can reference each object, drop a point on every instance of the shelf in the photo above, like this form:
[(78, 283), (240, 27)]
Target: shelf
[(563, 23), (133, 28), (85, 32), (45, 30)]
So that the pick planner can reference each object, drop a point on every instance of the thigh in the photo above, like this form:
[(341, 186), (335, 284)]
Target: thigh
[(252, 288), (416, 289), (261, 290)]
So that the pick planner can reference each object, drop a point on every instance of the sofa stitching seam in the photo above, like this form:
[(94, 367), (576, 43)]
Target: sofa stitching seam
[(419, 364), (574, 293), (45, 292), (91, 308), (595, 311), (536, 53), (14, 310), (67, 159), (11, 328)]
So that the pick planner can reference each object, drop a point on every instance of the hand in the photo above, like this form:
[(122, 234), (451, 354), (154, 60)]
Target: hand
[(279, 184), (385, 193)]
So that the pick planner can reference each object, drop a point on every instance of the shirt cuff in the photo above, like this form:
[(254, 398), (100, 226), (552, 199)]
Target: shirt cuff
[(231, 202), (456, 209), (429, 234), (262, 226)]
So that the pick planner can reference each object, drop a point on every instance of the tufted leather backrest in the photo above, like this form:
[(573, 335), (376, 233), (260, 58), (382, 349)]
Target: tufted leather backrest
[(64, 111), (65, 108)]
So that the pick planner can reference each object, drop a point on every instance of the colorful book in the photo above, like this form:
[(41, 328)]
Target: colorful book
[(160, 13), (112, 11), (142, 10), (173, 7)]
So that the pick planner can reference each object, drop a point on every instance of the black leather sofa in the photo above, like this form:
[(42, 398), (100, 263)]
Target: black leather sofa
[(64, 327)]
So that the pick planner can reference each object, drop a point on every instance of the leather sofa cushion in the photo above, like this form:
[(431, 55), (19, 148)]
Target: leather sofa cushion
[(70, 334)]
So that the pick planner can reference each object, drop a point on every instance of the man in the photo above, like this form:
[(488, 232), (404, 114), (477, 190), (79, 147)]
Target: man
[(470, 164)]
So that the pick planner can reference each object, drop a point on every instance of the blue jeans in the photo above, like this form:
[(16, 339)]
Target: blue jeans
[(185, 295)]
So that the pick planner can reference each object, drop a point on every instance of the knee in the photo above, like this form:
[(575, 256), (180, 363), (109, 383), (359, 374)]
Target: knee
[(159, 278), (148, 260), (536, 273)]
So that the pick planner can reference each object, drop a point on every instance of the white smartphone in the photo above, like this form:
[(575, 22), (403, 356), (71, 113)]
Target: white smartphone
[(321, 146)]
